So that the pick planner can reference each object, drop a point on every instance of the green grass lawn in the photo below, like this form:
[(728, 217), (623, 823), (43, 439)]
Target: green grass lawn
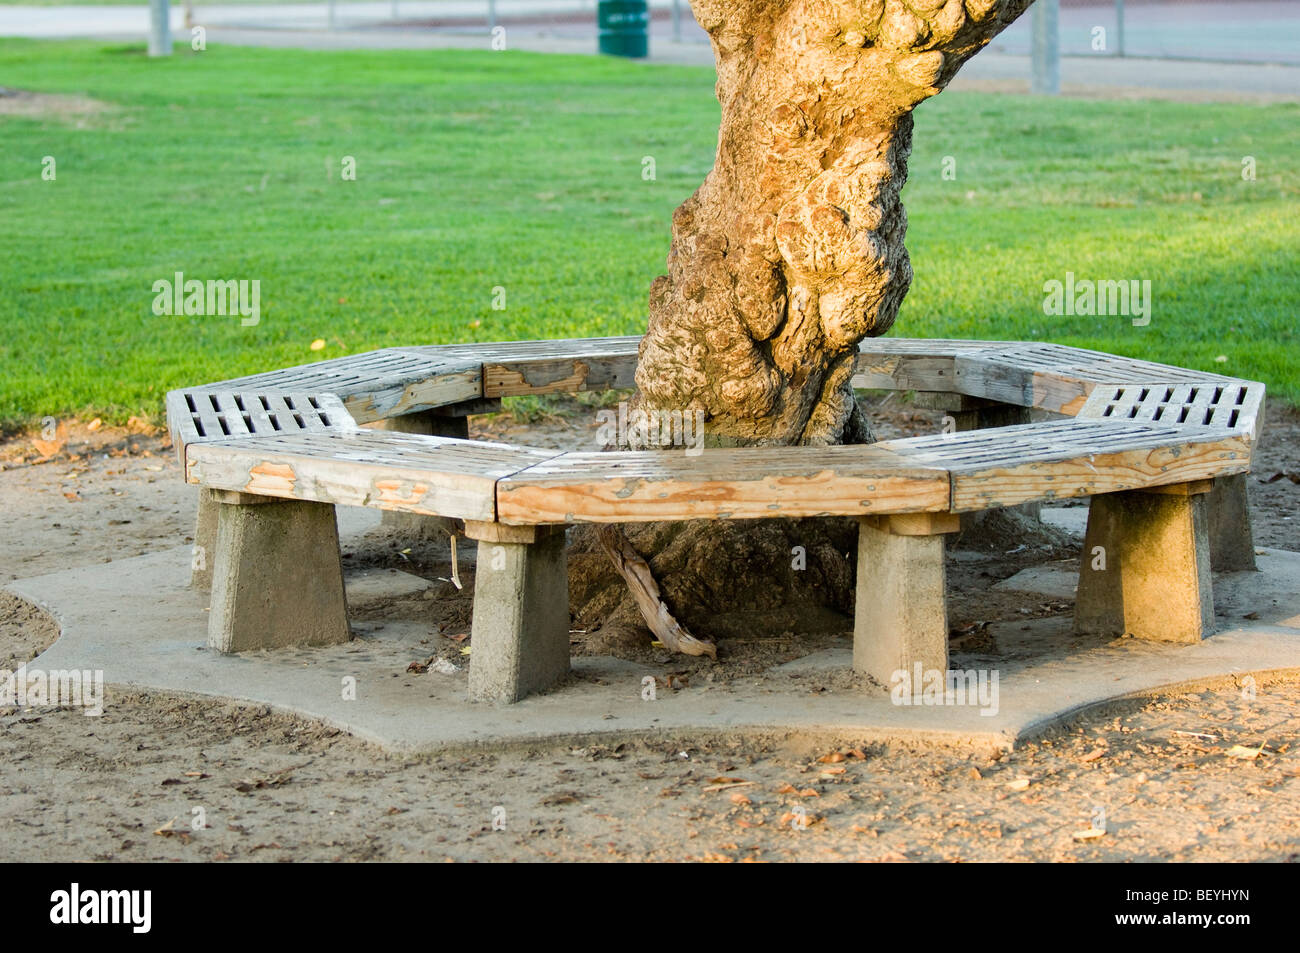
[(478, 170)]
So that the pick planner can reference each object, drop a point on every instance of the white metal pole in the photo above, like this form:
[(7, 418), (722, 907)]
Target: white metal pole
[(677, 21), (1046, 51), (160, 28), (1119, 27)]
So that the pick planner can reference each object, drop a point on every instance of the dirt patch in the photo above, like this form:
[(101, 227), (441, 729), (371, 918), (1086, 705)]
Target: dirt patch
[(81, 112), (161, 777), (25, 632), (1274, 482), (268, 786)]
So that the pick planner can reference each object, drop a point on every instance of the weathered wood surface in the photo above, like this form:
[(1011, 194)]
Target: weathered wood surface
[(396, 381), (1236, 405), (1058, 459), (956, 473), (734, 483), (376, 384), (1058, 378), (1139, 424), (515, 368), (432, 476), (206, 415)]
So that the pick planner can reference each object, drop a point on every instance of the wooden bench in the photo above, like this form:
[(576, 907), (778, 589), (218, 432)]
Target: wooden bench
[(1146, 441)]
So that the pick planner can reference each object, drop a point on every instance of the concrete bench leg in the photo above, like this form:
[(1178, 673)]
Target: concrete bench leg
[(277, 579), (204, 551), (1232, 546), (449, 421), (521, 612), (1145, 569), (901, 614)]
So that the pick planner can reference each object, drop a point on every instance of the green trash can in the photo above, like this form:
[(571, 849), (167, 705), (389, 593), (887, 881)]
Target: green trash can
[(624, 27)]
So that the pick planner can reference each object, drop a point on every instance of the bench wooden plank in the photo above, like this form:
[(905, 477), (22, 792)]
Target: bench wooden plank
[(873, 371), (1058, 378), (376, 384), (738, 483), (383, 470), (514, 368), (1014, 465)]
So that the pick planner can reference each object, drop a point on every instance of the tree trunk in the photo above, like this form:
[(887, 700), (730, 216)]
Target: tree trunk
[(791, 252), (788, 255)]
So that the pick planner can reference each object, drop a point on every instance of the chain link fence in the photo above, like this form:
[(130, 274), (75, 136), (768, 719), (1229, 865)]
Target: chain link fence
[(1245, 31)]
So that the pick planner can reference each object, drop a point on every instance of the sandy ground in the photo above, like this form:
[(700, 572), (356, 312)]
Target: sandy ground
[(164, 777)]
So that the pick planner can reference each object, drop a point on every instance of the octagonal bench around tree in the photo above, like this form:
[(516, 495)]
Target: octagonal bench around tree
[(276, 452)]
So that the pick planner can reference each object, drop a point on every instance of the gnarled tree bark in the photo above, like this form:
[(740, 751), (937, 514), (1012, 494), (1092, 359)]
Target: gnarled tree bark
[(791, 252)]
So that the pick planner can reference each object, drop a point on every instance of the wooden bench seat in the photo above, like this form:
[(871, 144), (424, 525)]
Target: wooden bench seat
[(275, 453)]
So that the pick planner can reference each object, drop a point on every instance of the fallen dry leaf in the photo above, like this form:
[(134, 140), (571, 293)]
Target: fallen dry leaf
[(1019, 784), (1091, 833), (739, 798), (318, 344), (1093, 755), (835, 757), (787, 788), (48, 448), (726, 785), (1244, 753)]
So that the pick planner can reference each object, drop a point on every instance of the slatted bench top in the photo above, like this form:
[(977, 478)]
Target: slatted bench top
[(294, 434), (432, 476), (945, 473), (469, 479)]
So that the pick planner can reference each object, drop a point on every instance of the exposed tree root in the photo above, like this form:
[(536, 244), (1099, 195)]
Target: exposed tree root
[(641, 583)]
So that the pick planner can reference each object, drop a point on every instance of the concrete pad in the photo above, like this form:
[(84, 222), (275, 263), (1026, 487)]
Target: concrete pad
[(138, 621), (369, 585), (1057, 580)]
